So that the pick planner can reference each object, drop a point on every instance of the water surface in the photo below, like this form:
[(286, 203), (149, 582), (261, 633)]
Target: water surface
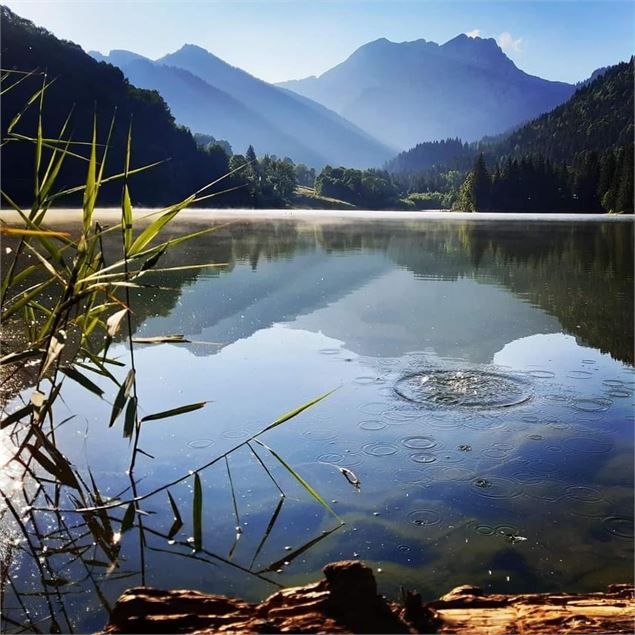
[(485, 382)]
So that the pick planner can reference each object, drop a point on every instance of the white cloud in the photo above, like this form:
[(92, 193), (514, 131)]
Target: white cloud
[(507, 42), (473, 33)]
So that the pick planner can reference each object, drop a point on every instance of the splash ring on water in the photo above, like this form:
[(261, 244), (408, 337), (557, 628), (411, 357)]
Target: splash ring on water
[(399, 416), (484, 530), (579, 374), (379, 449), (595, 404), (331, 457), (506, 530), (468, 388), (617, 393), (423, 457), (584, 494), (424, 517), (366, 380), (372, 425), (589, 443), (620, 526), (541, 374), (498, 450), (419, 443), (200, 444), (499, 487)]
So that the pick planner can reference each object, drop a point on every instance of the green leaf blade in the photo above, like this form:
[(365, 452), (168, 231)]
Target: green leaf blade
[(122, 397), (297, 411), (75, 375), (174, 411), (308, 488), (197, 513)]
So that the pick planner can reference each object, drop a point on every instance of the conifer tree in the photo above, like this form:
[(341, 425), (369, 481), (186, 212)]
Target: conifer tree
[(624, 199)]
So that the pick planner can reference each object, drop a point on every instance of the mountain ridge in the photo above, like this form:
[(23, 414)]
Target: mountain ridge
[(281, 108), (207, 109), (417, 91), (280, 122)]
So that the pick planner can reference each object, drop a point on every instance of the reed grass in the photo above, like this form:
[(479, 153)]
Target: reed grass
[(66, 305)]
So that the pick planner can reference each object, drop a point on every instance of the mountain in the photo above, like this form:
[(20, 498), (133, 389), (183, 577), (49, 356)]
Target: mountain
[(87, 87), (411, 92), (597, 117), (335, 139), (210, 96), (205, 109)]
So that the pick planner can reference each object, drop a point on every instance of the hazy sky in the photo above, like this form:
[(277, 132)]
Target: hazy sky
[(289, 39)]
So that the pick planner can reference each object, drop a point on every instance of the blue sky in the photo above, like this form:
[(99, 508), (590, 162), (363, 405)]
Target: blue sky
[(289, 39)]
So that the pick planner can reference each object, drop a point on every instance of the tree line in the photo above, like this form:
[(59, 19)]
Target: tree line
[(592, 183)]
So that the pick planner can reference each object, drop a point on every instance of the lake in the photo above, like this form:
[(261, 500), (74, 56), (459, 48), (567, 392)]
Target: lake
[(484, 400)]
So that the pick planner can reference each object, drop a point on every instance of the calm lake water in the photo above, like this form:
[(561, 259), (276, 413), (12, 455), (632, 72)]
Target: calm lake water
[(485, 400)]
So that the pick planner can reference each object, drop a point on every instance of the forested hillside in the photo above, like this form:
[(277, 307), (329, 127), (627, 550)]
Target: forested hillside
[(578, 157), (86, 88), (429, 153), (598, 117)]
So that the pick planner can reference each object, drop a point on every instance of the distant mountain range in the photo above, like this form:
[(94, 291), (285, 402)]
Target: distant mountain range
[(210, 96), (402, 94), (410, 92), (597, 117), (395, 95)]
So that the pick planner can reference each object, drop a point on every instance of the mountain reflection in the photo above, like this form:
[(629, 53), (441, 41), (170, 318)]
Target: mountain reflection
[(461, 288)]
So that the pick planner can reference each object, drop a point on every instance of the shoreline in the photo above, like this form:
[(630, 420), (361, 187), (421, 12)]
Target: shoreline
[(321, 216)]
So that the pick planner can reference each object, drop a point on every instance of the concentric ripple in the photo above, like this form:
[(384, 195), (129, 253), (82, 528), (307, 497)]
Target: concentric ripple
[(498, 487), (419, 443), (597, 404), (463, 389), (372, 425), (579, 374), (423, 457), (424, 517), (379, 449), (620, 526), (200, 444)]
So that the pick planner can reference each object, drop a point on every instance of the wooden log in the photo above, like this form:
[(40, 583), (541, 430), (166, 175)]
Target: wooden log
[(346, 601), (468, 610)]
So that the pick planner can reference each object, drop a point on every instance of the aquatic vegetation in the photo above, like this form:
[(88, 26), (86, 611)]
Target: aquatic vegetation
[(63, 305)]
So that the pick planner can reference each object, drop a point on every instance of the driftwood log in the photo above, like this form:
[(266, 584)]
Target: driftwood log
[(346, 601)]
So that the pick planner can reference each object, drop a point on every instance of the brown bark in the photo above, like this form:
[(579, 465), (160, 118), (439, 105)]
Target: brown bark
[(346, 601)]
